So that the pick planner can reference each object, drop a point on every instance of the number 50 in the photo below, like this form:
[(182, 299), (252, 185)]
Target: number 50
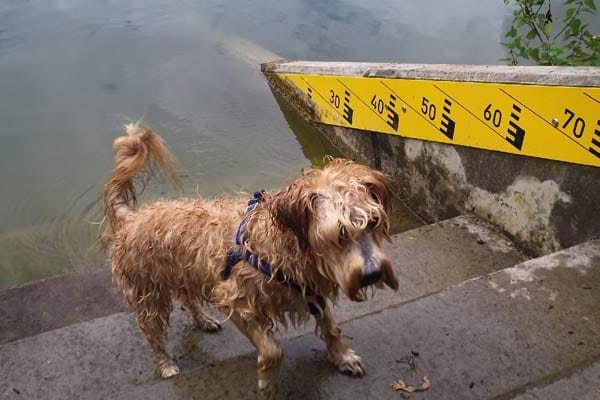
[(428, 109)]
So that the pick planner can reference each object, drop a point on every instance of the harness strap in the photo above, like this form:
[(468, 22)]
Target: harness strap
[(316, 304), (235, 255)]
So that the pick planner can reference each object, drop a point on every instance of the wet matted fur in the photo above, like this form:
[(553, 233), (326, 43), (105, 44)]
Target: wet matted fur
[(322, 233)]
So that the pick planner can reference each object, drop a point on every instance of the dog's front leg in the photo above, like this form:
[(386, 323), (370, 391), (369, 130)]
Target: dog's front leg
[(342, 356), (269, 352)]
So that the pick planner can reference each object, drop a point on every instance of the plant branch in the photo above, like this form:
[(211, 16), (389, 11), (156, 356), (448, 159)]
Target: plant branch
[(530, 22), (540, 7), (567, 23)]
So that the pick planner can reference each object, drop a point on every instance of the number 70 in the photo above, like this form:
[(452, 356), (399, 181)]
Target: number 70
[(578, 126)]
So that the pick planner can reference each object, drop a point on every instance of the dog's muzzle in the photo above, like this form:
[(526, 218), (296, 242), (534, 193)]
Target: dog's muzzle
[(370, 278), (371, 271), (375, 270)]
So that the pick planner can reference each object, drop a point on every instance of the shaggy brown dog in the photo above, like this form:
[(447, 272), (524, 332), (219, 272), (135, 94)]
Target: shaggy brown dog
[(320, 234)]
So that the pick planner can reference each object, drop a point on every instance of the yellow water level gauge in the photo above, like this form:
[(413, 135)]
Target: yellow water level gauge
[(554, 122)]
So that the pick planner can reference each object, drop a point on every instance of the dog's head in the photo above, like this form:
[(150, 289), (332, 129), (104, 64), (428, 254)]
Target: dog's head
[(339, 215)]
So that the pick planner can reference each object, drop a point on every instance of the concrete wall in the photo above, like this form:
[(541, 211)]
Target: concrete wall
[(544, 205)]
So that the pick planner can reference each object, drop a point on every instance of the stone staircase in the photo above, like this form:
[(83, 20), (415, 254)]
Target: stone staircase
[(472, 314)]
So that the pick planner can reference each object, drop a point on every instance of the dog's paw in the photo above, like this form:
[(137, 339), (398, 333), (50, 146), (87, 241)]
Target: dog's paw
[(208, 324), (268, 390), (168, 369), (263, 384), (349, 363)]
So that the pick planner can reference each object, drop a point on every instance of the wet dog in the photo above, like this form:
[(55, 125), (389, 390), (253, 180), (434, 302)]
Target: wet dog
[(263, 263)]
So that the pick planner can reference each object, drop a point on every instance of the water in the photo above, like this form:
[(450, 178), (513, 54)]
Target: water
[(71, 72)]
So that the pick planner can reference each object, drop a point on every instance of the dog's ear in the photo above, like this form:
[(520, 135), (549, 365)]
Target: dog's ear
[(377, 183), (292, 209)]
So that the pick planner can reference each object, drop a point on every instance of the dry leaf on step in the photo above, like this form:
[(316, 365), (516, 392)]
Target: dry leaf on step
[(401, 385)]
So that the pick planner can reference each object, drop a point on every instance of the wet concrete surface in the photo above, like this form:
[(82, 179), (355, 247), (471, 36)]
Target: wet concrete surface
[(582, 384), (426, 259), (56, 302), (480, 339), (492, 338)]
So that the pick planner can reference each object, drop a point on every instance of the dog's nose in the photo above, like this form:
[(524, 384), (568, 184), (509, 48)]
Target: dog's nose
[(370, 277), (371, 270)]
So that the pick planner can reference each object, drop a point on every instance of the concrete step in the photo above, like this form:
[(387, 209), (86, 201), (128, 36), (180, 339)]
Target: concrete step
[(526, 332), (106, 356), (583, 384), (52, 303)]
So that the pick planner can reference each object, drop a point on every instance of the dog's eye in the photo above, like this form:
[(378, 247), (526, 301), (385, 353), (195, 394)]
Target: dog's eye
[(374, 196), (342, 235), (373, 223)]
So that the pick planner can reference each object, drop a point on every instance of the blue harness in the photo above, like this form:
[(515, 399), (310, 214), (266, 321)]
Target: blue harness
[(315, 306), (236, 255)]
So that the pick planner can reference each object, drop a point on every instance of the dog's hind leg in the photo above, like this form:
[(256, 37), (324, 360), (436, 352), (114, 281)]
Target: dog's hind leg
[(152, 310), (201, 319), (269, 352), (338, 352)]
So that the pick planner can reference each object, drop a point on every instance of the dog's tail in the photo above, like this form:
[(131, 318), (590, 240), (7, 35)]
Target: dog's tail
[(141, 151)]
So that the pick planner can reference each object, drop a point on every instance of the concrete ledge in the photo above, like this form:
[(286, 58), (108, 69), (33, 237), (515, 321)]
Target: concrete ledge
[(554, 76), (543, 205), (56, 302)]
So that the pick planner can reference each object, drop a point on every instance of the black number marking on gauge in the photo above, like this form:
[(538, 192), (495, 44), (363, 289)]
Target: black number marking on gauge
[(448, 123), (493, 115), (429, 110), (334, 99), (517, 134), (348, 111), (393, 120), (595, 150), (578, 125), (378, 104)]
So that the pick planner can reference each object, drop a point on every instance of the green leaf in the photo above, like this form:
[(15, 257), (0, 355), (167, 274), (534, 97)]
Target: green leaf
[(509, 45), (541, 18), (571, 44), (580, 53), (590, 4), (534, 53), (575, 26), (523, 53), (582, 47), (570, 12)]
